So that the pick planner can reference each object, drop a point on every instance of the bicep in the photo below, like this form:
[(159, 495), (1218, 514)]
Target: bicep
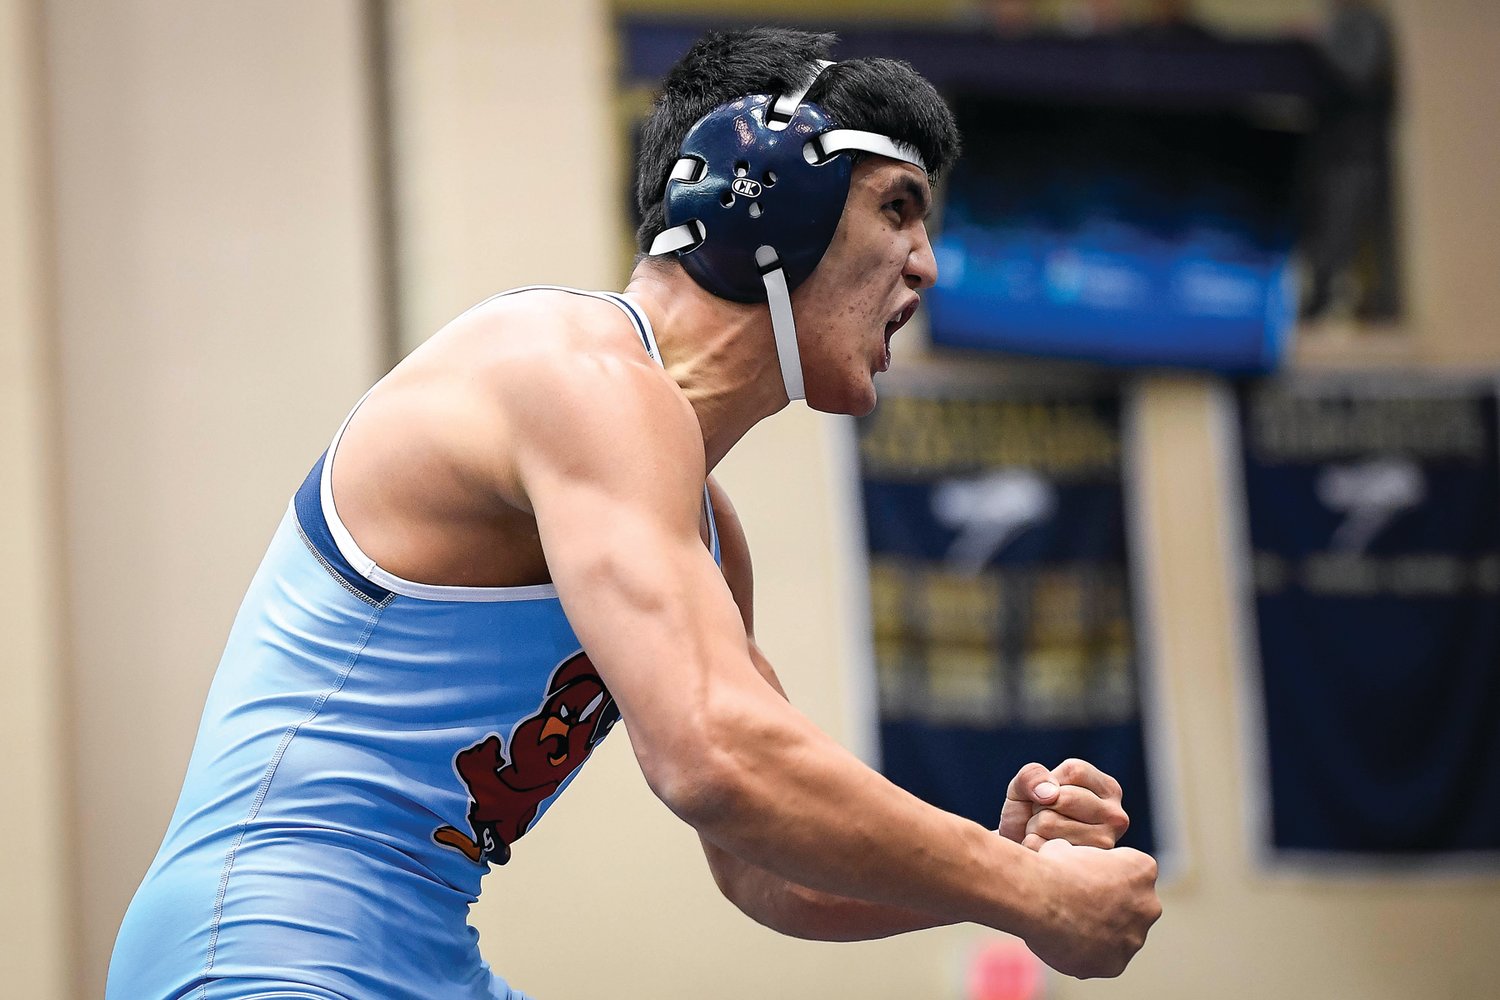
[(617, 499)]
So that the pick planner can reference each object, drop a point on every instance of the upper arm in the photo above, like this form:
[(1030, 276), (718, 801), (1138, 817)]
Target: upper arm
[(610, 459)]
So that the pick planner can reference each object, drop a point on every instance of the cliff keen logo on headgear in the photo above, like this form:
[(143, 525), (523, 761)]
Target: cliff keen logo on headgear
[(746, 187), (545, 749)]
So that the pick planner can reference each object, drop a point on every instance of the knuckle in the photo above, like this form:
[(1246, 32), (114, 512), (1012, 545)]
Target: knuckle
[(1030, 773), (1027, 776)]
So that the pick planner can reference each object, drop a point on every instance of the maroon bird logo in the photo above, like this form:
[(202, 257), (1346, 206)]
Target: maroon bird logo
[(505, 790)]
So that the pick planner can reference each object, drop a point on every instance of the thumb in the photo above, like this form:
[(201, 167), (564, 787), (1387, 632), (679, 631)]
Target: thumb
[(1021, 799), (1033, 783)]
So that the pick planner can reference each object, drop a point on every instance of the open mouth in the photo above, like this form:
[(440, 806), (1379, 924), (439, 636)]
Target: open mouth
[(895, 323), (900, 320)]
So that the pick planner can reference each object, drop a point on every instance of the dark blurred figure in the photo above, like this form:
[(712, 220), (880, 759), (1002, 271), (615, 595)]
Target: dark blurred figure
[(1351, 234), (1170, 20)]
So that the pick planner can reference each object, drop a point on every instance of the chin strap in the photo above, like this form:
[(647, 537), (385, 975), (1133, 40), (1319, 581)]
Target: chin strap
[(783, 327), (778, 296)]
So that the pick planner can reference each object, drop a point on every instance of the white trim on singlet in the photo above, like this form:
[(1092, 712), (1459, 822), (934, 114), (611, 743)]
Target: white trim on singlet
[(638, 317), (367, 567)]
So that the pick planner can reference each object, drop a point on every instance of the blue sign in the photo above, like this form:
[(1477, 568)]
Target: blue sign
[(1122, 240)]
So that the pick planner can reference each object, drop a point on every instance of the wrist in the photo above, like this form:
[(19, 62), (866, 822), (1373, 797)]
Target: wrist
[(1017, 896)]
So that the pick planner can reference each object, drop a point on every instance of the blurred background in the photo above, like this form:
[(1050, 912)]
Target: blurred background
[(1192, 467)]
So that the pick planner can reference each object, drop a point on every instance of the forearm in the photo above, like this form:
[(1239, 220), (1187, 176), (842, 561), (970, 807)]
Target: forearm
[(798, 911), (753, 775), (787, 799)]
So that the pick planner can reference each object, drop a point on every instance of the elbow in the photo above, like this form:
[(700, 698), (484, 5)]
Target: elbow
[(699, 787), (699, 776)]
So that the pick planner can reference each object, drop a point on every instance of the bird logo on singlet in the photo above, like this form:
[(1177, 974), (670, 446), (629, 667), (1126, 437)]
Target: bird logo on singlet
[(506, 790)]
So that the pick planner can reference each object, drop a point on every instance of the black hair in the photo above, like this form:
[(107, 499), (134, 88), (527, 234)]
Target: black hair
[(875, 95)]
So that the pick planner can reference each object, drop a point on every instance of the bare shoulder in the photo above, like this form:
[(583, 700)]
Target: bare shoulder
[(566, 387), (512, 341), (578, 398), (437, 471)]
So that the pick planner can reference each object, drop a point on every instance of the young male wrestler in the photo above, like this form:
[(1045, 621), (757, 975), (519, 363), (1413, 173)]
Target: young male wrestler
[(514, 541)]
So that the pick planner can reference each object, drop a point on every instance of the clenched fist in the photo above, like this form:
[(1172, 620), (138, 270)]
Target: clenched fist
[(1099, 906), (1075, 802)]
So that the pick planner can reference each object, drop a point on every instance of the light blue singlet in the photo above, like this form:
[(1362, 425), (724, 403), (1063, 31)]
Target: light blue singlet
[(369, 747)]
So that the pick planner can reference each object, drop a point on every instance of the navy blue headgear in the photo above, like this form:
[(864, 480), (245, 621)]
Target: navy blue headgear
[(754, 199)]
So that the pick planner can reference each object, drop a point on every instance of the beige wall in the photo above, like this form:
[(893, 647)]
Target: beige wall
[(506, 155), (1451, 141), (189, 301), (215, 292), (36, 838)]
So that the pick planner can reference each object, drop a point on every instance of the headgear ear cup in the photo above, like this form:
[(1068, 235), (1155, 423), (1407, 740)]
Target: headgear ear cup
[(753, 187), (755, 199)]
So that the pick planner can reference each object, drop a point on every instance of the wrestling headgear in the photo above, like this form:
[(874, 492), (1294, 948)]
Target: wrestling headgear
[(755, 197)]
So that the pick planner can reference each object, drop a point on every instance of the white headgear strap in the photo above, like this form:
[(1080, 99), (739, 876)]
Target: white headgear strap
[(783, 327)]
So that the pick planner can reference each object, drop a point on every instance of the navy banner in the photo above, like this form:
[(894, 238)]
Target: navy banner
[(1000, 592), (1373, 510)]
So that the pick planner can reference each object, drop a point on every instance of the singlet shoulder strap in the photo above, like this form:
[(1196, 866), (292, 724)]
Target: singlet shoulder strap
[(633, 312), (640, 319)]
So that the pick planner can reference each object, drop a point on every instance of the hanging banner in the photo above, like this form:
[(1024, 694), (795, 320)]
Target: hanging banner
[(1000, 591), (1373, 514)]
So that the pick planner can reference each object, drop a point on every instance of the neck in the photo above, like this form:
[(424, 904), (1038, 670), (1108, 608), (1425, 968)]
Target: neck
[(722, 354)]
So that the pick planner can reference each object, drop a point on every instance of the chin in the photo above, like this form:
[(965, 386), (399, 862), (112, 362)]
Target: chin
[(852, 400)]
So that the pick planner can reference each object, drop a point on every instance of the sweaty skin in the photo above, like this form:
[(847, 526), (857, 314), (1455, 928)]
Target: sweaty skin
[(536, 442)]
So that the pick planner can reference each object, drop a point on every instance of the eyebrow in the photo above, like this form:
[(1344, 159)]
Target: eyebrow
[(913, 190)]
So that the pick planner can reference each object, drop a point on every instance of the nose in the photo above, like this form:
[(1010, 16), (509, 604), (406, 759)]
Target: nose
[(921, 264)]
